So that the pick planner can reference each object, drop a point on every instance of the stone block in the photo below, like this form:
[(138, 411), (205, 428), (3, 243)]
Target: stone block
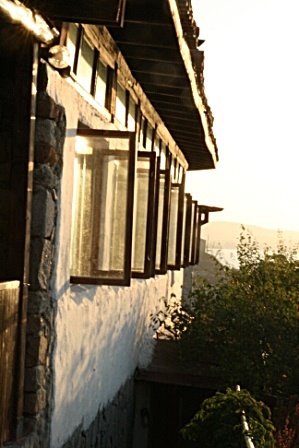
[(35, 402), (45, 131), (45, 153), (43, 213), (40, 264), (39, 303), (34, 378), (46, 107), (36, 351), (34, 324), (43, 176)]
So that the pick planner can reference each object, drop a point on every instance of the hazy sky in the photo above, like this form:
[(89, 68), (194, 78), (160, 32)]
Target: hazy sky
[(252, 84)]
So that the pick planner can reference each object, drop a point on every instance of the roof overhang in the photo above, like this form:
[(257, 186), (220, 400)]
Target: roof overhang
[(102, 12), (159, 41)]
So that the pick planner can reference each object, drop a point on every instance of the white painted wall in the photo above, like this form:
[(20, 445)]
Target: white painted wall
[(103, 332)]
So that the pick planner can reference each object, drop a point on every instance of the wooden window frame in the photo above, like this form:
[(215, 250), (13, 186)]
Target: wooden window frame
[(149, 260), (125, 281), (165, 228), (179, 222), (188, 216), (191, 250), (196, 236), (111, 90)]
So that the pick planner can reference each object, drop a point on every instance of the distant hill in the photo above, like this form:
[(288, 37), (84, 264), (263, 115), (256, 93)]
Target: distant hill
[(225, 235)]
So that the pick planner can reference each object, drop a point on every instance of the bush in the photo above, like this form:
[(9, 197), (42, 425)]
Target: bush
[(218, 424), (248, 321)]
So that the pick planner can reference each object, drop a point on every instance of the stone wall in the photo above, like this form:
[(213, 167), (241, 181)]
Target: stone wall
[(49, 140), (112, 427)]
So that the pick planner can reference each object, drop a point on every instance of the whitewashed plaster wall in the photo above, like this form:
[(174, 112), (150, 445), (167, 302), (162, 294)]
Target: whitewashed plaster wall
[(102, 332)]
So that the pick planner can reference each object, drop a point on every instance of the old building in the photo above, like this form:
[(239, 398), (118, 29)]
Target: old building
[(102, 112)]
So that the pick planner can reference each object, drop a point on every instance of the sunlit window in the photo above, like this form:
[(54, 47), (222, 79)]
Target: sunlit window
[(175, 226), (143, 215), (102, 207), (196, 242), (121, 104), (71, 43), (184, 229), (162, 214), (148, 137), (163, 156), (101, 82), (188, 230), (85, 64), (131, 115), (142, 124), (193, 232)]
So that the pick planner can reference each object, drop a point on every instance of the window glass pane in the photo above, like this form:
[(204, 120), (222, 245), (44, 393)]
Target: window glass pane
[(149, 137), (194, 204), (160, 220), (85, 64), (188, 227), (120, 106), (163, 156), (184, 229), (141, 133), (172, 170), (141, 214), (196, 236), (157, 145), (131, 115), (101, 82), (173, 222), (71, 42), (100, 207)]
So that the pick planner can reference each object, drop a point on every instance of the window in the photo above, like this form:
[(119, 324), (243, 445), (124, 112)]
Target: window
[(103, 207), (101, 81), (175, 226), (162, 214), (195, 233), (148, 141), (142, 125), (131, 121), (176, 212), (188, 230), (72, 43), (198, 233), (193, 226), (142, 257), (121, 104), (85, 64)]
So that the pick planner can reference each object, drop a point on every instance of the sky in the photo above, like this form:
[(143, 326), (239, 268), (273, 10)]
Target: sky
[(252, 86)]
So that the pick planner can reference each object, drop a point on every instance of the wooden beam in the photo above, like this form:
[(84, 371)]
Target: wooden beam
[(105, 12), (154, 83), (149, 44), (162, 68), (146, 35), (149, 52)]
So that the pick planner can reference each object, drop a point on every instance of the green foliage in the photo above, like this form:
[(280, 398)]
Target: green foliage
[(248, 321), (218, 424), (172, 320)]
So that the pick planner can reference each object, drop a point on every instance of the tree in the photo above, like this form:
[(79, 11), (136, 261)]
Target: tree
[(218, 423), (248, 321)]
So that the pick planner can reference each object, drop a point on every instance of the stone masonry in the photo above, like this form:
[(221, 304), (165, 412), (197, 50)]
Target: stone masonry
[(49, 141)]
